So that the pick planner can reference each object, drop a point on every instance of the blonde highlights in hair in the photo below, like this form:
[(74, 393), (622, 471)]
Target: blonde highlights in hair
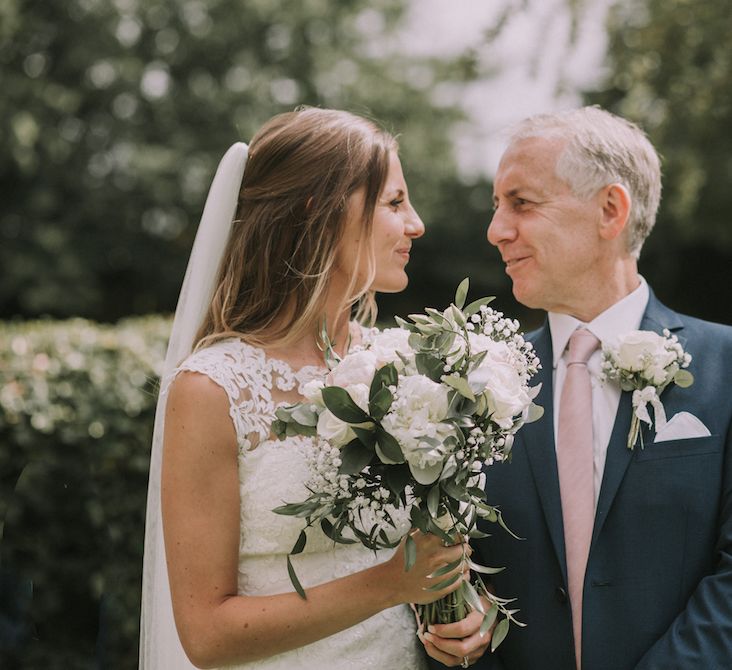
[(294, 201)]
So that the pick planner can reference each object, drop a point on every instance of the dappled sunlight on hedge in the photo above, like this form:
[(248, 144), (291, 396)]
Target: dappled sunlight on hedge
[(77, 403)]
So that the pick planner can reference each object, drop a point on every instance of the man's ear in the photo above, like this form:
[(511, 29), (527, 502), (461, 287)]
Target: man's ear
[(615, 202)]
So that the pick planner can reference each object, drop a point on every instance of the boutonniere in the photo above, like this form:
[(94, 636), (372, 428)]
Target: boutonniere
[(645, 363)]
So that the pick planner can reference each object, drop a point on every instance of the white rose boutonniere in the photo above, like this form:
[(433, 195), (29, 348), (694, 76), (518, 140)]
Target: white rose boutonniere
[(645, 363)]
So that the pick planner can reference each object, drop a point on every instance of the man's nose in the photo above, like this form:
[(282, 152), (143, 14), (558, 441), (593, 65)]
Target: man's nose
[(500, 229)]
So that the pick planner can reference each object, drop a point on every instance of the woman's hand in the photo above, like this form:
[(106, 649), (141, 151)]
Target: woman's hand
[(412, 586)]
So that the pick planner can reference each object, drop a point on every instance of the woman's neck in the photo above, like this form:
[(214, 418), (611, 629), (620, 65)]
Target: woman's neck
[(312, 347)]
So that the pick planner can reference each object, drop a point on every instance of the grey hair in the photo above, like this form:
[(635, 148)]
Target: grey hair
[(601, 149)]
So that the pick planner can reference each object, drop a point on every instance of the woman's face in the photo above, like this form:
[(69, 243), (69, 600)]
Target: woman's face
[(394, 227)]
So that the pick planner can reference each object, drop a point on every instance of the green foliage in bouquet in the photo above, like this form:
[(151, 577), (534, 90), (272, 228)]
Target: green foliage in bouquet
[(407, 423), (77, 402)]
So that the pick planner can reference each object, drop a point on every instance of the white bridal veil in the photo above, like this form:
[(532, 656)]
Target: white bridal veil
[(160, 648)]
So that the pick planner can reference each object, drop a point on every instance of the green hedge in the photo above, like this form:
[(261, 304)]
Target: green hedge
[(77, 402)]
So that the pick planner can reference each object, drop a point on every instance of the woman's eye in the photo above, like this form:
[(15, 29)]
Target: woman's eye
[(396, 202)]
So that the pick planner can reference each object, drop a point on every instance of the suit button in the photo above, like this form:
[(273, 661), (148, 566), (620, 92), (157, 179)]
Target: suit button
[(561, 595)]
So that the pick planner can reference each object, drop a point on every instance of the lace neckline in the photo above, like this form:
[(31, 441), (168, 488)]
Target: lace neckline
[(357, 335)]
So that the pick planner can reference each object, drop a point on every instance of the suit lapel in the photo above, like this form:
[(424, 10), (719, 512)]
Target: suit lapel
[(538, 440), (657, 317)]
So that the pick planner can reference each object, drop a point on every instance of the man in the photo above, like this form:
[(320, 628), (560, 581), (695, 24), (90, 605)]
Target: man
[(627, 556)]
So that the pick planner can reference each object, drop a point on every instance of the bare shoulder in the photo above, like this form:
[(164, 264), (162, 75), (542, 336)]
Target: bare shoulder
[(195, 387), (197, 413)]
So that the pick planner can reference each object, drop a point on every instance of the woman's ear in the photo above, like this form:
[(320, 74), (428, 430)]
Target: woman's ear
[(616, 203)]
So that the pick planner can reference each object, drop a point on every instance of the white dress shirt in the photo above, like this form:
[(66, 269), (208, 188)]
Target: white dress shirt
[(622, 317)]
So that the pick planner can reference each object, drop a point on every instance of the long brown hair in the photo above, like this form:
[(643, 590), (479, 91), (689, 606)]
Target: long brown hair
[(302, 168)]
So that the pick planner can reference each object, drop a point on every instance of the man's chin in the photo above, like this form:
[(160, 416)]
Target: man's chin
[(527, 297)]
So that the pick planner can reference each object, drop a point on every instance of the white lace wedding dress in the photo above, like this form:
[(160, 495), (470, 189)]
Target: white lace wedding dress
[(272, 472)]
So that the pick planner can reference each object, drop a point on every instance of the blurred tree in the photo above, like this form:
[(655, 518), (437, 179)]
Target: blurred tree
[(114, 115), (671, 71)]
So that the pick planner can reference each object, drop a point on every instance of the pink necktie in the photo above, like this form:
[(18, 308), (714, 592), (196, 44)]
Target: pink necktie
[(576, 470)]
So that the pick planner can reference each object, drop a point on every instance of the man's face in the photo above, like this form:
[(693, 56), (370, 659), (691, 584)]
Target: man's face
[(548, 238)]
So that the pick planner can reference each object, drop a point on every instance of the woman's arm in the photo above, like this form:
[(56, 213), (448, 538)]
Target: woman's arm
[(200, 504)]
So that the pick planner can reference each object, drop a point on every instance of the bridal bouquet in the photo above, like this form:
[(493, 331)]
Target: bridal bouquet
[(407, 423)]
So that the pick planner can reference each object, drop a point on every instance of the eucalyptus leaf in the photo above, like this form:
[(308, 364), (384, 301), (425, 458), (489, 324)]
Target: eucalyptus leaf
[(429, 366), (327, 528), (471, 595), (489, 619), (474, 306), (401, 323), (483, 569), (294, 580), (460, 384), (535, 413), (290, 509), (279, 428), (300, 544), (436, 316), (284, 413), (449, 469), (304, 415), (457, 315), (444, 584), (433, 500), (436, 530), (448, 567), (503, 525), (684, 378), (462, 293), (499, 634)]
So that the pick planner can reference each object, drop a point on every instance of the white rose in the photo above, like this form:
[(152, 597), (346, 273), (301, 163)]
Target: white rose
[(504, 389), (333, 430), (388, 342), (312, 391), (356, 368), (643, 350)]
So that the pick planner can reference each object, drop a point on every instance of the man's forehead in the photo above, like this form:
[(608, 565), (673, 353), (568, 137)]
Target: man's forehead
[(528, 162)]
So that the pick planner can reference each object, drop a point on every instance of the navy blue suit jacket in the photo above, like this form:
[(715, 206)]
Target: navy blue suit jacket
[(658, 587)]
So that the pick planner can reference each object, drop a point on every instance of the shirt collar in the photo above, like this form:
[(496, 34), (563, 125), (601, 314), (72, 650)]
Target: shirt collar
[(624, 315)]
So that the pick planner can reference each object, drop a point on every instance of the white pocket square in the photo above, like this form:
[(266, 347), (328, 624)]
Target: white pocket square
[(682, 426)]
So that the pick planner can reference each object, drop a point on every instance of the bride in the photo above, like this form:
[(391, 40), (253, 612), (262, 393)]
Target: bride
[(317, 221)]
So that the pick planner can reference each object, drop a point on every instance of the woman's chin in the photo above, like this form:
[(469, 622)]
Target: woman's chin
[(391, 284)]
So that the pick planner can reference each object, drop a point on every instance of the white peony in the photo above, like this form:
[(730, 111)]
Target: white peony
[(414, 420), (497, 351), (387, 343), (356, 368)]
